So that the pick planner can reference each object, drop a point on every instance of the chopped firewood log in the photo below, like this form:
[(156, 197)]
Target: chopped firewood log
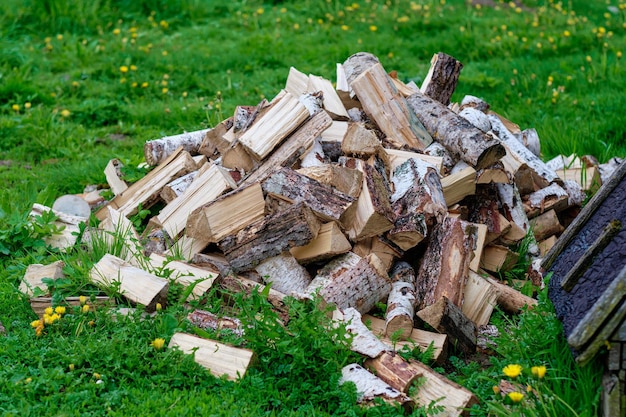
[(445, 264), (118, 229), (530, 139), (326, 202), (483, 209), (513, 210), (158, 150), (442, 77), (146, 191), (512, 128), (383, 103), (463, 140), (218, 358), (546, 225), (404, 89), (36, 273), (546, 244), (553, 197), (448, 161), (477, 118), (135, 284), (420, 338), (509, 299), (39, 304), (479, 299), (330, 242), (335, 132), (287, 154), (186, 274), (214, 144), (237, 284), (269, 236), (481, 238), (497, 258), (397, 157), (373, 215), (364, 341), (186, 247), (209, 321), (588, 178), (352, 281), (474, 102), (113, 174), (228, 214), (347, 180), (394, 370), (331, 101), (177, 187), (459, 185), (513, 235), (284, 273), (369, 387), (244, 116), (445, 317), (344, 91), (359, 141), (438, 390), (286, 114), (66, 224), (211, 182), (401, 302), (386, 251), (297, 82), (495, 173), (314, 156), (237, 157)]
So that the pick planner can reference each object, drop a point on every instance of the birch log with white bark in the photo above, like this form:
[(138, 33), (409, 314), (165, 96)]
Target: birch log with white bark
[(401, 302), (158, 150)]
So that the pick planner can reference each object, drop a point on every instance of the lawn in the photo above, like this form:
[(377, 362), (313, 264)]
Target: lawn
[(82, 82)]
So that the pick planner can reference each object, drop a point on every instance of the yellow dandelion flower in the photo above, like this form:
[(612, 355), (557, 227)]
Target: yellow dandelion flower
[(124, 69), (163, 83), (85, 308), (27, 105), (91, 323), (159, 307), (55, 317), (538, 371), (65, 113), (164, 53), (345, 27), (496, 389), (60, 37), (260, 10), (47, 39), (164, 90), (164, 24), (116, 31), (283, 10), (82, 299), (566, 33), (35, 324), (133, 67), (97, 375), (512, 370), (296, 26), (15, 107), (516, 396), (49, 311), (75, 84), (71, 367), (529, 388), (47, 319), (588, 58), (373, 28), (403, 19), (144, 85), (59, 310), (158, 343), (28, 380), (618, 54), (134, 84)]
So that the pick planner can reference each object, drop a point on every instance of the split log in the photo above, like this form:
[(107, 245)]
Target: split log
[(589, 178), (113, 174), (394, 370), (331, 101), (442, 77), (208, 321), (330, 242), (67, 227), (214, 144), (328, 203), (404, 89), (347, 180), (481, 238), (228, 214), (352, 281), (210, 183), (386, 251), (237, 284), (445, 264), (343, 90), (553, 197), (397, 157), (267, 237), (314, 156), (474, 102), (135, 284), (218, 358), (497, 258), (509, 299), (297, 82), (284, 273), (483, 209), (177, 187), (237, 157), (546, 225), (364, 341), (119, 232), (445, 317), (369, 387), (546, 244), (448, 161), (513, 209), (458, 135), (480, 298), (146, 191), (420, 338), (39, 304), (493, 174), (383, 103), (158, 150), (401, 302), (285, 114), (185, 274), (287, 154), (35, 274), (360, 142), (458, 185), (186, 247)]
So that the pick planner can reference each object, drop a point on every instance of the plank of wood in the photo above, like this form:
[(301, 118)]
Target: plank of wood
[(113, 174), (186, 274), (146, 191), (34, 275), (218, 358), (445, 317), (228, 214), (440, 82), (330, 242), (135, 284), (383, 103), (158, 150)]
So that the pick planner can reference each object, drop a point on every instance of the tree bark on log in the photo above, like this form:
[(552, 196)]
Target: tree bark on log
[(294, 226), (284, 273), (447, 318), (442, 77), (401, 302), (158, 150), (214, 144), (458, 135), (363, 340), (240, 284), (394, 370), (370, 387), (509, 299), (383, 103), (207, 320), (445, 265)]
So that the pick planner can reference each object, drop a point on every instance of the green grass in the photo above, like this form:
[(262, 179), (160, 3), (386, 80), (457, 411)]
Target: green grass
[(66, 108)]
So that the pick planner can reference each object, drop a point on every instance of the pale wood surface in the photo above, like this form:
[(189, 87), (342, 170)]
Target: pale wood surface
[(330, 241), (112, 172), (186, 274), (35, 273), (158, 150)]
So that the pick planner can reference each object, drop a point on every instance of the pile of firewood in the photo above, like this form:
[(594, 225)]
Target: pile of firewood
[(371, 191)]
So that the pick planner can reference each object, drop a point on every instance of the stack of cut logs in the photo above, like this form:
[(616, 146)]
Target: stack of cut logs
[(371, 191)]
